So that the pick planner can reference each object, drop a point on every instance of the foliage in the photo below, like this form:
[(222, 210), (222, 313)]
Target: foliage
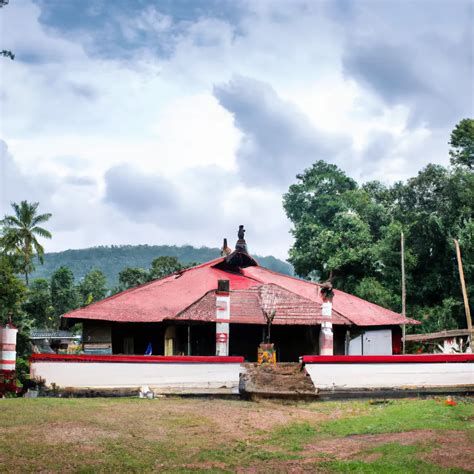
[(163, 266), (64, 296), (22, 369), (439, 317), (370, 289), (12, 293), (462, 143), (131, 277), (112, 260), (7, 54), (4, 52), (38, 305), (351, 234), (20, 232), (93, 287)]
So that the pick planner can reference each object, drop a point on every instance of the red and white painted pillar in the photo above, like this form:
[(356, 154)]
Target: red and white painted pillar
[(326, 334), (222, 318), (8, 348)]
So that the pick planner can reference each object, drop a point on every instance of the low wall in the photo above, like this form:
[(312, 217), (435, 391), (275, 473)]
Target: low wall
[(163, 374), (390, 372)]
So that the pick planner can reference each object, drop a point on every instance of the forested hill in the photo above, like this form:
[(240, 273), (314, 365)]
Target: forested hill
[(111, 260)]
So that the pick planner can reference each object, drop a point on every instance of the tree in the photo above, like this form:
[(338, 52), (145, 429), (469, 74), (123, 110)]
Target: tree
[(92, 287), (64, 295), (163, 266), (462, 143), (333, 223), (352, 234), (130, 277), (12, 293), (370, 289), (318, 193), (20, 232), (38, 303)]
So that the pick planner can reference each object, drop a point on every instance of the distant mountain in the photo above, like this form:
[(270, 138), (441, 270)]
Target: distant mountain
[(111, 260)]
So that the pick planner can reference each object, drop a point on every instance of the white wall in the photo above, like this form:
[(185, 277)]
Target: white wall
[(404, 375), (164, 377)]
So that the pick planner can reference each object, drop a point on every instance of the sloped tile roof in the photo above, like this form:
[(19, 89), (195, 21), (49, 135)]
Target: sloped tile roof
[(190, 295)]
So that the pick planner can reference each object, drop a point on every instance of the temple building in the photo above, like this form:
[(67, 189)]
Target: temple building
[(222, 307)]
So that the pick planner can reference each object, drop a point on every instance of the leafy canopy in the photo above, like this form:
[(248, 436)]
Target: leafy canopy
[(351, 234), (93, 287), (64, 295), (462, 143)]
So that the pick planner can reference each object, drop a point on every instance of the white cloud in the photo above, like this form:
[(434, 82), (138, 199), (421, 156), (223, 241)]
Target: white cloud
[(92, 135)]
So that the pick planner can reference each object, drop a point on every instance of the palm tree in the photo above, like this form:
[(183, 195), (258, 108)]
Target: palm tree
[(20, 233)]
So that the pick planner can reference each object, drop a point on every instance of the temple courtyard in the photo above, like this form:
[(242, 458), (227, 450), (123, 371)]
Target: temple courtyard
[(216, 435)]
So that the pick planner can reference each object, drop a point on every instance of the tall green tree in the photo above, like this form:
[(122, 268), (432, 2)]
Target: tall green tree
[(64, 295), (38, 304), (462, 143), (20, 234), (163, 266), (130, 277), (12, 293), (334, 222), (93, 287), (352, 233)]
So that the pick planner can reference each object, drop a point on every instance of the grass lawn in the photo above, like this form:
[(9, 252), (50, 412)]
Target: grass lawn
[(206, 435)]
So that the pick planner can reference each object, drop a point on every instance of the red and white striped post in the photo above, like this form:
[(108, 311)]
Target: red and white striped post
[(222, 318), (326, 346), (8, 348)]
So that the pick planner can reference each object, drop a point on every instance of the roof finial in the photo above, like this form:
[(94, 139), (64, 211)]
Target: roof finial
[(241, 245), (225, 250)]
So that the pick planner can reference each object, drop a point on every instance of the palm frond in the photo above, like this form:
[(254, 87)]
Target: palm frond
[(17, 209), (41, 232), (11, 221), (41, 218), (39, 250)]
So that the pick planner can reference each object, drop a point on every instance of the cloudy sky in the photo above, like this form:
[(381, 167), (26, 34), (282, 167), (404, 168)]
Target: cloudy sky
[(174, 121)]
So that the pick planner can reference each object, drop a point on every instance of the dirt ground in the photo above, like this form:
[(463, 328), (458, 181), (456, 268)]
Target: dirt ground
[(215, 435), (282, 377)]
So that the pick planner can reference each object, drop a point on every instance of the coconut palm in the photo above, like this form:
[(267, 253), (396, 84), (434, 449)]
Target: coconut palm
[(20, 232)]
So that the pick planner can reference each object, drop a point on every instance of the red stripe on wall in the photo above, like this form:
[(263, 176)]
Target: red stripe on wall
[(390, 359), (135, 359), (6, 361)]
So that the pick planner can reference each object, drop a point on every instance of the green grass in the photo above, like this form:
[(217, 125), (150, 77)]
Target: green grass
[(394, 458), (404, 415), (395, 417), (292, 437), (179, 435)]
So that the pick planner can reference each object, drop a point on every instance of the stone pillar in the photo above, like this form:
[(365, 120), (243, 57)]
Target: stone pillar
[(326, 334), (8, 348), (222, 318)]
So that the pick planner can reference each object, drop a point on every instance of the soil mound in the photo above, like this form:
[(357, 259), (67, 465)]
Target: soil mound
[(279, 378)]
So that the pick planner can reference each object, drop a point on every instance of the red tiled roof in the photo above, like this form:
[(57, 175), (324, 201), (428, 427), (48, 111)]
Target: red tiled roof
[(189, 295), (357, 310), (246, 308)]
